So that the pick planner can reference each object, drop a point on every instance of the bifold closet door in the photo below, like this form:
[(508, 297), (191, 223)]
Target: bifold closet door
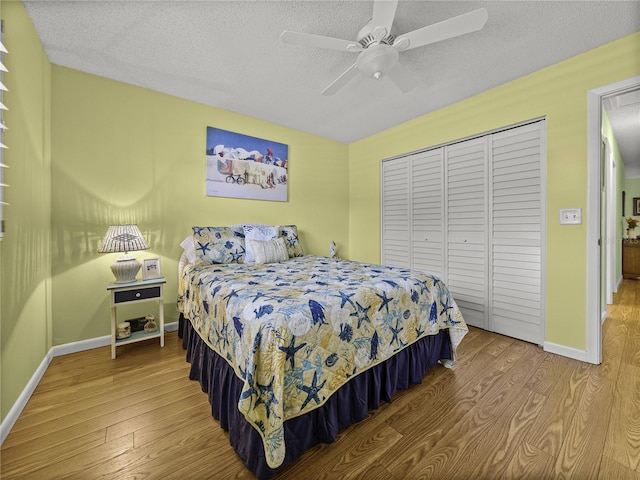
[(517, 295), (466, 228), (395, 213), (473, 213), (427, 212)]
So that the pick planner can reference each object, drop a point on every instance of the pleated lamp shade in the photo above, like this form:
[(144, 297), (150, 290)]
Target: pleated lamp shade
[(124, 238)]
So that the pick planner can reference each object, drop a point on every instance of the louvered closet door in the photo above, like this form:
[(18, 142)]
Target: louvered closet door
[(427, 215), (517, 233), (395, 212), (466, 221)]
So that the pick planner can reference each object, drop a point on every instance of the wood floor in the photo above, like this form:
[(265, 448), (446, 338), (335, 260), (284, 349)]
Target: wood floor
[(508, 410)]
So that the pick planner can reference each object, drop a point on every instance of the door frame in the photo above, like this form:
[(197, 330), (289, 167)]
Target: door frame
[(610, 219), (595, 96)]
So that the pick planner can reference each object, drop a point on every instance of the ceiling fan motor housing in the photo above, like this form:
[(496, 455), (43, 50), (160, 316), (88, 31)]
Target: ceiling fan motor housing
[(368, 36)]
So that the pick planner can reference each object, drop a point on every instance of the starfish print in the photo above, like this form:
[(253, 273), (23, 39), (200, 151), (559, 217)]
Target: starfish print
[(292, 240), (345, 297), (395, 332), (203, 247), (266, 395), (312, 390), (291, 350), (248, 393), (362, 314), (235, 256), (257, 297), (445, 305), (385, 301), (231, 295)]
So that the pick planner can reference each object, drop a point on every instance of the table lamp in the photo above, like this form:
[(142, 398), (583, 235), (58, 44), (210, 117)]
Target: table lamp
[(124, 238)]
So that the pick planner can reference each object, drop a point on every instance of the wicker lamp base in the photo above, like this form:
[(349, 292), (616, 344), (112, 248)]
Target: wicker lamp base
[(125, 269)]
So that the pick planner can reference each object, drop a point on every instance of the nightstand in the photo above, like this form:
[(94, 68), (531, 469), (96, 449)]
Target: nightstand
[(136, 292)]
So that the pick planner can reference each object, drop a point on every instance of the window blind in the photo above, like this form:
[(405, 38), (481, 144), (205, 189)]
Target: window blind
[(3, 127)]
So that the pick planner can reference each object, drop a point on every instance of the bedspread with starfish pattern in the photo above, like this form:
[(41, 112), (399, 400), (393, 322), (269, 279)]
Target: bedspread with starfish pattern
[(295, 331)]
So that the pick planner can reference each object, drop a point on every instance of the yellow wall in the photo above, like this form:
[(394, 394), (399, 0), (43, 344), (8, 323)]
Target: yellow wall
[(25, 314), (632, 187), (558, 93), (87, 152), (121, 153)]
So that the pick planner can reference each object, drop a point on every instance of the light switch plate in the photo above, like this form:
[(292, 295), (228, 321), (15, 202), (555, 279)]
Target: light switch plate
[(570, 216)]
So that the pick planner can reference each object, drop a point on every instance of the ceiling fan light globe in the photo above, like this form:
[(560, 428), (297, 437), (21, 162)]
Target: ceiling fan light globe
[(377, 60)]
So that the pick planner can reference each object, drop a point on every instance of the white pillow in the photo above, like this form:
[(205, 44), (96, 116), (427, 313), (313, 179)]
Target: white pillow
[(257, 232), (189, 248), (269, 251), (242, 225)]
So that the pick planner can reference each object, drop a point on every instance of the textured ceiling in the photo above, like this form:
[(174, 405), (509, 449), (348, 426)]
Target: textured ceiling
[(229, 54), (623, 111)]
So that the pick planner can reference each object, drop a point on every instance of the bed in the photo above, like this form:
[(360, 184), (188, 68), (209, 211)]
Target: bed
[(292, 348)]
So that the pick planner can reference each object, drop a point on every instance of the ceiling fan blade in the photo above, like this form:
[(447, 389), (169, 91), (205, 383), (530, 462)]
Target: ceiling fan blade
[(342, 80), (453, 27), (383, 13), (402, 78), (318, 41)]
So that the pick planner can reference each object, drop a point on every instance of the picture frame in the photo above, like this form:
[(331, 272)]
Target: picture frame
[(242, 166), (636, 206), (151, 268)]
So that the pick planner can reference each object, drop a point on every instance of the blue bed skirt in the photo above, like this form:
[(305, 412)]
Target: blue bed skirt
[(350, 404)]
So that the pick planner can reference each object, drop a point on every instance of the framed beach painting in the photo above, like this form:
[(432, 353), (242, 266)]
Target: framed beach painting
[(241, 166), (151, 268)]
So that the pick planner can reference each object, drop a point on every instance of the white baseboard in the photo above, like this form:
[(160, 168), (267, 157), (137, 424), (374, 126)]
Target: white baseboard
[(11, 418), (58, 350), (171, 327), (566, 351), (83, 345)]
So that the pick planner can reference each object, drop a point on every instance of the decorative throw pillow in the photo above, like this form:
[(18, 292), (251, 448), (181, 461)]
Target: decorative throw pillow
[(257, 232), (290, 234), (269, 251), (218, 245)]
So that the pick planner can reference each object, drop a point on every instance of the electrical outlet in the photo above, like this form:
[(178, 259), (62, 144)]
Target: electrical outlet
[(570, 216)]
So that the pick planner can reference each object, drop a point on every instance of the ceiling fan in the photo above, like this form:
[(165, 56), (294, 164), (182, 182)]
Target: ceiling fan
[(379, 49)]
